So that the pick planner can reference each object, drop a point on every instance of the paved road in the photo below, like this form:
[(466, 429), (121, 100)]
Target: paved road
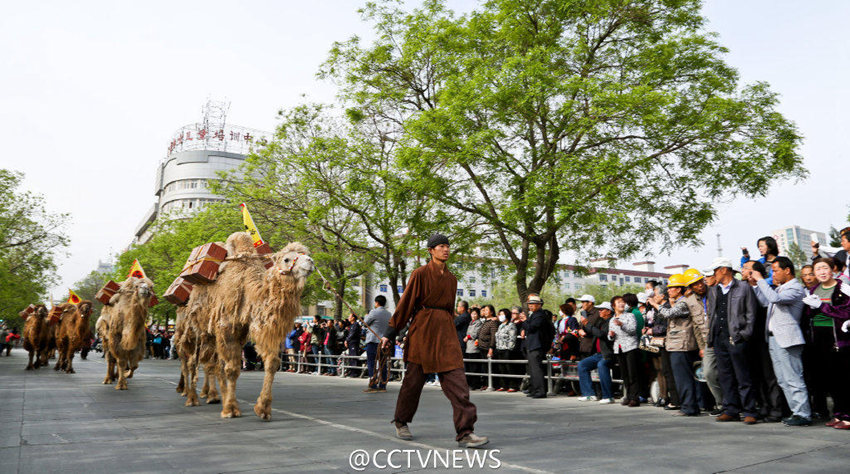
[(72, 423)]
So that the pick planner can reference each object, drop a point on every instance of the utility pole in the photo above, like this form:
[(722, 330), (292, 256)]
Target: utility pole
[(719, 248)]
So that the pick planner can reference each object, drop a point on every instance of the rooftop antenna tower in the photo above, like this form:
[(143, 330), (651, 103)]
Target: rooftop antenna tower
[(719, 248), (214, 114)]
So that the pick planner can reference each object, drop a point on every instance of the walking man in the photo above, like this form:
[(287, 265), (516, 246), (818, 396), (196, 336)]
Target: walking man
[(377, 319), (428, 305), (784, 336)]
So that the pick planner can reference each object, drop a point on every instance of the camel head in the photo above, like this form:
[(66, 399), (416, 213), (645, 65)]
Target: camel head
[(141, 287), (40, 311), (85, 308), (293, 261)]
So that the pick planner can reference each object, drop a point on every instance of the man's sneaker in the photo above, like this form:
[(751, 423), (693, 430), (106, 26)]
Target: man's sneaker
[(716, 412), (797, 420), (472, 440), (606, 401), (402, 431), (589, 398)]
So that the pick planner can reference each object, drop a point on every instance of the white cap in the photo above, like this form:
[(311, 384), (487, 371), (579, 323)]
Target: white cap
[(720, 262), (587, 298), (605, 305), (641, 297), (707, 271)]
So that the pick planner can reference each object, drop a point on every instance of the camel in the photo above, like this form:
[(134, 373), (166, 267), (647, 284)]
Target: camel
[(35, 336), (101, 326), (71, 333), (248, 300), (124, 326), (195, 349)]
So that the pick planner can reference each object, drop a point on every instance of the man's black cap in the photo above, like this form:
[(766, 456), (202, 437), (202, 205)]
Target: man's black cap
[(437, 239)]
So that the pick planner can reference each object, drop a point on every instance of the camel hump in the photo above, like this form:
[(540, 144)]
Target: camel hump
[(239, 242)]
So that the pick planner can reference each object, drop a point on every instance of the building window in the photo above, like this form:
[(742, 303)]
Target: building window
[(472, 279), (567, 286), (628, 279), (483, 293), (603, 277), (471, 293), (383, 288), (578, 286), (460, 291)]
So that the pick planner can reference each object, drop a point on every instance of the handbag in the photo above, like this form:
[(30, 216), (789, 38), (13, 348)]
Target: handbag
[(652, 344)]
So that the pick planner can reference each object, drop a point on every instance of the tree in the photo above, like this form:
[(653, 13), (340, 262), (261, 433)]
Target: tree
[(30, 238), (797, 256), (834, 237), (601, 128)]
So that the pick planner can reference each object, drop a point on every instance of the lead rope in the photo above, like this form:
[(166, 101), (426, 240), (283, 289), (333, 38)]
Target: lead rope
[(377, 378)]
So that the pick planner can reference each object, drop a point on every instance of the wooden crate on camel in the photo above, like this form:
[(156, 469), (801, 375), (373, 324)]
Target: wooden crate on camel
[(105, 294), (203, 263)]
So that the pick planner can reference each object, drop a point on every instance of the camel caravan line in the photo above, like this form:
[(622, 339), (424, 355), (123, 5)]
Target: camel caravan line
[(227, 292)]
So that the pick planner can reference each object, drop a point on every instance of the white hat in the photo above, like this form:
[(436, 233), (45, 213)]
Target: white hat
[(720, 262), (708, 271), (605, 305), (641, 297), (587, 298)]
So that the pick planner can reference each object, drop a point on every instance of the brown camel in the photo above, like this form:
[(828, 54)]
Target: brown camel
[(71, 333), (248, 300), (102, 328), (195, 349), (125, 328), (35, 335)]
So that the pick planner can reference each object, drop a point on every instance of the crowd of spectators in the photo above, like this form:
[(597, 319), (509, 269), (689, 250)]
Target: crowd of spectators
[(755, 341)]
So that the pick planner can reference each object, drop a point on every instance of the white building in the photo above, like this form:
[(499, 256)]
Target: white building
[(802, 237), (196, 154), (477, 278)]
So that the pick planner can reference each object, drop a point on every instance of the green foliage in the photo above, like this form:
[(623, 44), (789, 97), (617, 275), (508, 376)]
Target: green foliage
[(603, 128), (30, 239), (834, 237), (797, 256)]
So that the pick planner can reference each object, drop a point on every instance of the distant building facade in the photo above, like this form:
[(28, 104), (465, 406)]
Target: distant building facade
[(795, 234), (196, 154)]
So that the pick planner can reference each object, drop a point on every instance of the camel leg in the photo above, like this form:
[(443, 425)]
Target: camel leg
[(210, 376), (122, 377), (110, 368), (271, 361), (69, 361), (192, 374), (30, 366), (181, 385), (230, 356)]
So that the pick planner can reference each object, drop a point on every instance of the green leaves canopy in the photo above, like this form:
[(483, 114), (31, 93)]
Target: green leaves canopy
[(598, 127)]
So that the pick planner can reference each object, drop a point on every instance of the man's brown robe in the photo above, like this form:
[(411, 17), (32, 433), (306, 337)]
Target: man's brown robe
[(432, 338)]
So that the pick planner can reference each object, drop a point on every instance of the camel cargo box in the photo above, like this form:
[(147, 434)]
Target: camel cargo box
[(178, 292), (27, 312), (108, 290), (55, 315), (202, 266), (265, 250)]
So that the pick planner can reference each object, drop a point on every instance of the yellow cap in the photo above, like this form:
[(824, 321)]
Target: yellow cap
[(677, 280), (692, 275)]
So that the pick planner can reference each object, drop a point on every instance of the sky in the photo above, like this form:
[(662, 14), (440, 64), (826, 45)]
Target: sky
[(93, 91)]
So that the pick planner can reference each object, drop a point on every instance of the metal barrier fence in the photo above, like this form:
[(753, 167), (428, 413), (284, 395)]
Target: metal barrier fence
[(556, 370)]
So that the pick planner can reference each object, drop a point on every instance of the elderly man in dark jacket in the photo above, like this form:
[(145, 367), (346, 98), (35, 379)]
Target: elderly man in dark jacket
[(462, 321), (732, 307), (352, 343), (538, 340)]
